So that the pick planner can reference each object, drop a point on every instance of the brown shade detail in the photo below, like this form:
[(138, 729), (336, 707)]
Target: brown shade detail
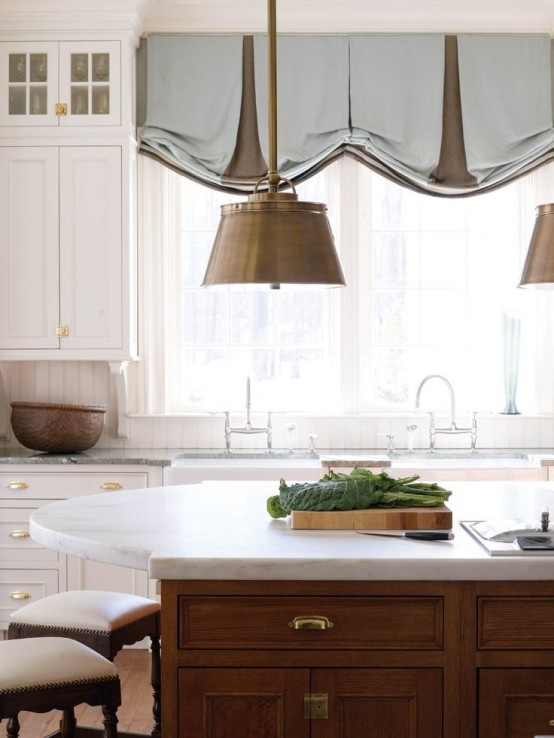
[(452, 167), (274, 239), (538, 271), (247, 160)]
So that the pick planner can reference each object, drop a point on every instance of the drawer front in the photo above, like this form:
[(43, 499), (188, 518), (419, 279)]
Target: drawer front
[(369, 623), (15, 542), (41, 485), (21, 587), (510, 623)]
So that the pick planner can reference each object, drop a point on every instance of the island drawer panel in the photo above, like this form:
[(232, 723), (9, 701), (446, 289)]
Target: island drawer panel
[(370, 623), (522, 623)]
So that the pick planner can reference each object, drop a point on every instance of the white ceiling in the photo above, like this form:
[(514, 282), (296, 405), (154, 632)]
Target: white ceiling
[(324, 16)]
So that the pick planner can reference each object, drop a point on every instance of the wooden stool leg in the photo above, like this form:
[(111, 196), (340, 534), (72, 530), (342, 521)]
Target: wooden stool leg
[(12, 730), (156, 681), (110, 721), (68, 724)]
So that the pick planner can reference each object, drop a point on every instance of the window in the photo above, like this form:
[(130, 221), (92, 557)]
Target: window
[(429, 280)]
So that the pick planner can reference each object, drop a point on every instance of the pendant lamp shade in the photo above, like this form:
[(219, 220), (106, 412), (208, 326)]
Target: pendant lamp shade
[(538, 271), (274, 238)]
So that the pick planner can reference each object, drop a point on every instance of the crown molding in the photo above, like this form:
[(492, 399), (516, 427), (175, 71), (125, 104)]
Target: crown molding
[(293, 16), (351, 16)]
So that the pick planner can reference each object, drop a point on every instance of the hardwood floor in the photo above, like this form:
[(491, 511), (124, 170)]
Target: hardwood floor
[(135, 713)]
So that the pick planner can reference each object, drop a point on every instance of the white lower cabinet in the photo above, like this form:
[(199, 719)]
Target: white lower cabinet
[(29, 571)]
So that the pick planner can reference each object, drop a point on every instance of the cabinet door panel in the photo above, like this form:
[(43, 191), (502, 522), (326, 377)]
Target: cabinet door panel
[(28, 247), (252, 703), (28, 83), (90, 83), (385, 703), (516, 703), (90, 246)]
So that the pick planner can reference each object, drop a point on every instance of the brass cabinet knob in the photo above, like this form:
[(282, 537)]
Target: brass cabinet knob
[(111, 485), (20, 596), (19, 534), (17, 485), (310, 622)]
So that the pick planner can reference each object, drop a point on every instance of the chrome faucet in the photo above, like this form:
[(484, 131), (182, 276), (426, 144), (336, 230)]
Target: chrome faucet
[(247, 428), (452, 427)]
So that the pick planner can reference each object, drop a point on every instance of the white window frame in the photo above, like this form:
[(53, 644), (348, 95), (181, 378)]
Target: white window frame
[(158, 212)]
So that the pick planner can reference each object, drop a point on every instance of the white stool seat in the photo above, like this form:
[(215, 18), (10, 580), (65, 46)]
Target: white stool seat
[(56, 673), (88, 610), (28, 664)]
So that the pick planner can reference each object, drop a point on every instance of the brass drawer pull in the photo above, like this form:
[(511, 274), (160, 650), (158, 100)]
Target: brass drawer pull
[(20, 596), (18, 485), (111, 485), (20, 534), (311, 622)]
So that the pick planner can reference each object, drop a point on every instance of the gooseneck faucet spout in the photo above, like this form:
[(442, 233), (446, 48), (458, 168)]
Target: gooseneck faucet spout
[(452, 428), (450, 390)]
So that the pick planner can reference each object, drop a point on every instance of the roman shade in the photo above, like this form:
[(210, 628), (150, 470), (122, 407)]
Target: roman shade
[(448, 115)]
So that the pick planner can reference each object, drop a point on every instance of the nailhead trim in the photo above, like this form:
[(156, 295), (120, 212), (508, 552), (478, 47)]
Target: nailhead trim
[(66, 628), (68, 683)]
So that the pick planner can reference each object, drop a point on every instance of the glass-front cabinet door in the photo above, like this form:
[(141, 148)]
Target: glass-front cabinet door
[(28, 84), (90, 83), (60, 84)]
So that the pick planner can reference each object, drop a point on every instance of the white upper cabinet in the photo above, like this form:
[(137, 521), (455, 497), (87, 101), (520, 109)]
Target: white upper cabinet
[(61, 283), (65, 83)]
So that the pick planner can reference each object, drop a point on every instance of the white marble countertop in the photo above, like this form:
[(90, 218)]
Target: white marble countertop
[(221, 530)]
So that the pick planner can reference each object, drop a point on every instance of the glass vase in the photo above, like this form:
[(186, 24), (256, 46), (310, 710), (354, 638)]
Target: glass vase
[(511, 328)]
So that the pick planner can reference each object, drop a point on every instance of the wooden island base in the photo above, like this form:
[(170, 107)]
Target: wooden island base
[(323, 659)]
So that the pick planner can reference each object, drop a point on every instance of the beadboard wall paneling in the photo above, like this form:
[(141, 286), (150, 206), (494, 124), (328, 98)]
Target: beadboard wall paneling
[(91, 382)]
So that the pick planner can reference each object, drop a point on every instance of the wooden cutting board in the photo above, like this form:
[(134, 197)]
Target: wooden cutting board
[(406, 518)]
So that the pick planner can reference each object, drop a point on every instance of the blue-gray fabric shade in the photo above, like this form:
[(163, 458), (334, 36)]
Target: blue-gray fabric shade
[(378, 97)]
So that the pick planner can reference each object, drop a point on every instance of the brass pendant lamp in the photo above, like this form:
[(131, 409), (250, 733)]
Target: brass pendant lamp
[(273, 238), (538, 271)]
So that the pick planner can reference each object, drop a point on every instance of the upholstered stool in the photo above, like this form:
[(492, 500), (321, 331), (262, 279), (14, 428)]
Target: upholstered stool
[(104, 621), (56, 674)]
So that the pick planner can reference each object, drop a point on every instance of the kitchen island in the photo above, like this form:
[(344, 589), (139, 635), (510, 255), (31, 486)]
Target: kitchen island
[(271, 629)]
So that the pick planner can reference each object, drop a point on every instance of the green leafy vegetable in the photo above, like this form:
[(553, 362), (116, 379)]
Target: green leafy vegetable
[(359, 490)]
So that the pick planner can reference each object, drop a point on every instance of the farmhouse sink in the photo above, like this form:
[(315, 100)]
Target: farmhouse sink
[(248, 454)]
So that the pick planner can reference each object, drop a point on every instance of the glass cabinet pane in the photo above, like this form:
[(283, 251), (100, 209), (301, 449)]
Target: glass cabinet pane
[(37, 98), (16, 104), (39, 68), (100, 67), (79, 100), (101, 100), (79, 67), (18, 68)]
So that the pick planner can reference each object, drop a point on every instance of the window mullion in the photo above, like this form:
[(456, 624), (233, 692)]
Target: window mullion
[(349, 179)]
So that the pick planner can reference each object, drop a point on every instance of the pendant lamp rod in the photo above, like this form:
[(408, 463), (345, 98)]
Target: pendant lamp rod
[(272, 175)]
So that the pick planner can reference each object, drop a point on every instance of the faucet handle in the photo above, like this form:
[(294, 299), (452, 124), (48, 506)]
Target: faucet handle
[(390, 439)]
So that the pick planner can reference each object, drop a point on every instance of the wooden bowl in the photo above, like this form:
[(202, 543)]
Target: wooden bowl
[(57, 429)]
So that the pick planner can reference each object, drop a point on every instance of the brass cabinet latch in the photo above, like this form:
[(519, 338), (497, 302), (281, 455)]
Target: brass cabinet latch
[(62, 331), (60, 109), (316, 705)]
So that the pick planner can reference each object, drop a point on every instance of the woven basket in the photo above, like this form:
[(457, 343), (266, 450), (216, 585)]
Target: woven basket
[(57, 429)]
